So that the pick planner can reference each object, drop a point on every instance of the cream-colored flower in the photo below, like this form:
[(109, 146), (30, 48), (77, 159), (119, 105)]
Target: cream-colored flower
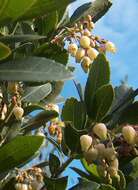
[(110, 47), (92, 53), (129, 134), (72, 49), (85, 42), (85, 141)]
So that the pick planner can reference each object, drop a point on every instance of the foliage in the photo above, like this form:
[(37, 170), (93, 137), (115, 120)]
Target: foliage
[(34, 66)]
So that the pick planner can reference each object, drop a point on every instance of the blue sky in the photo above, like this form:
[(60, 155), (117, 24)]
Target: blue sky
[(119, 25)]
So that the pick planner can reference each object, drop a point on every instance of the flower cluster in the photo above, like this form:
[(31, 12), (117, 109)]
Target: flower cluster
[(31, 179), (84, 46), (98, 147)]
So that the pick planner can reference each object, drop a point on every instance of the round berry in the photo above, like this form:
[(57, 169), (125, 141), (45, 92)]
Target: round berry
[(18, 112), (85, 141), (92, 53), (80, 54), (100, 130), (129, 134)]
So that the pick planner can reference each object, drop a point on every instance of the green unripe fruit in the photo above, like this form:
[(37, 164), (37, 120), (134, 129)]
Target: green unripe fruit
[(85, 141), (101, 171), (100, 130), (129, 134), (85, 42)]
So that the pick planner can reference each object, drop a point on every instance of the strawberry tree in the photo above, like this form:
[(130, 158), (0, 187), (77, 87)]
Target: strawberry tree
[(99, 129)]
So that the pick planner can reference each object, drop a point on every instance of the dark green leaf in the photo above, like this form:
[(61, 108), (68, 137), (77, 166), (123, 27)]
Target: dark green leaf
[(18, 151), (130, 115), (86, 184), (34, 69), (56, 184), (99, 75), (54, 164), (106, 187), (20, 38), (102, 102), (4, 51), (52, 51), (72, 138), (14, 10), (134, 172), (39, 120), (97, 9), (74, 111), (46, 25), (133, 185)]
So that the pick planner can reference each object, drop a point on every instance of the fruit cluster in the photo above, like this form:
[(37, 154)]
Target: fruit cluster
[(31, 179), (98, 147), (84, 46)]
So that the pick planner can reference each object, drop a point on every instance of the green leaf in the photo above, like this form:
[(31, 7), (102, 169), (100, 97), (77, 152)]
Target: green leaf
[(134, 172), (47, 24), (122, 182), (4, 51), (52, 51), (99, 75), (86, 184), (39, 120), (92, 170), (97, 9), (12, 10), (37, 93), (34, 69), (130, 115), (33, 107), (54, 164), (133, 185), (106, 187), (20, 38), (18, 151), (74, 111), (56, 183), (102, 102), (72, 138)]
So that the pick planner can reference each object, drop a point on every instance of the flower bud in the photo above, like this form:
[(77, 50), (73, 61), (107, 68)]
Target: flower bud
[(80, 54), (86, 62), (72, 49), (18, 112), (110, 47), (91, 26), (100, 148), (86, 32), (110, 154), (91, 155), (115, 163), (100, 130), (129, 134), (85, 41), (18, 186), (85, 141), (12, 87), (92, 53)]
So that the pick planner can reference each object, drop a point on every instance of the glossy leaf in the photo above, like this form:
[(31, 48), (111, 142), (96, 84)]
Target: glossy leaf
[(99, 75), (34, 69), (54, 164), (102, 102), (37, 93), (12, 10), (52, 51), (130, 115), (18, 151), (39, 120), (74, 111), (4, 51), (20, 38), (72, 138), (85, 184), (56, 183)]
